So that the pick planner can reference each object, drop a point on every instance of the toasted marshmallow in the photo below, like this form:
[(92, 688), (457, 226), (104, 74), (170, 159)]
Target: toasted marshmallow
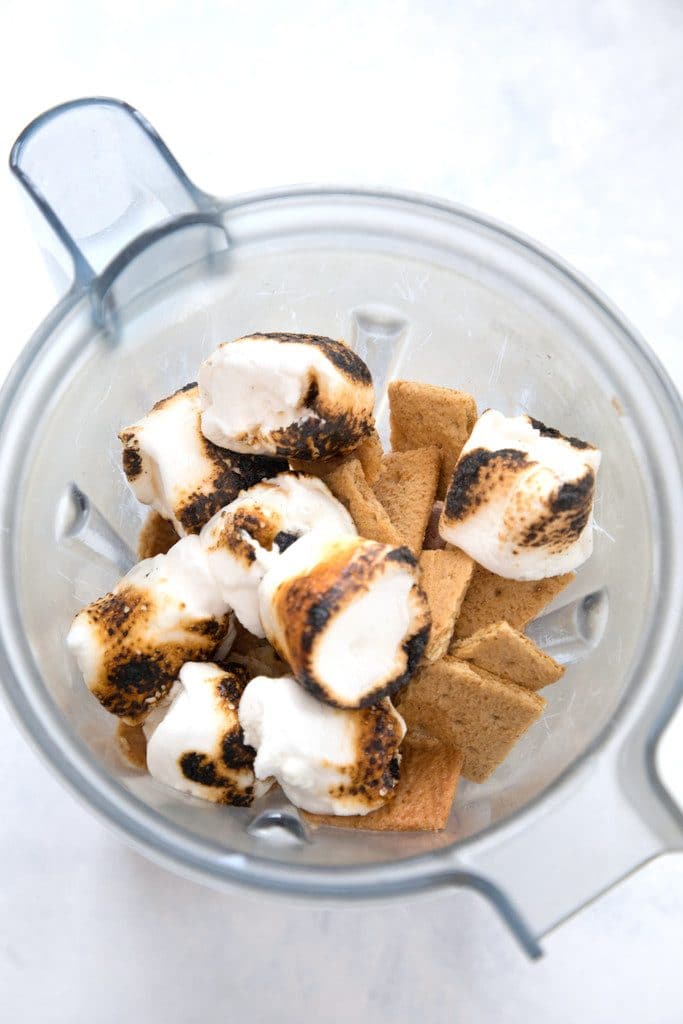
[(347, 615), (245, 539), (171, 466), (198, 746), (131, 643), (328, 761), (521, 499), (296, 395)]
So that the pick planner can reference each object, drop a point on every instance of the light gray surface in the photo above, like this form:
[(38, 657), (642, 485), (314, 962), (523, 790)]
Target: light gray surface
[(559, 119)]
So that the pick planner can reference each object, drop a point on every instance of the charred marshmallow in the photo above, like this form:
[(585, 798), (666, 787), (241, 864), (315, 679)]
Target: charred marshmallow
[(131, 643), (328, 761), (297, 395), (198, 746), (347, 615), (521, 499), (171, 466)]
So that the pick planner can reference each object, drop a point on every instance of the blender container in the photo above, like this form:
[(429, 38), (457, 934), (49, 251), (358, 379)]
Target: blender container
[(156, 273)]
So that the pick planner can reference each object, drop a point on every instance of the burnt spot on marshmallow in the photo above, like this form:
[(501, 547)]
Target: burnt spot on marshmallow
[(191, 386), (230, 684), (575, 497), (234, 751), (201, 769), (340, 355), (564, 518), (414, 648), (112, 611), (374, 774), (228, 768), (132, 460), (232, 473), (247, 523), (403, 556), (213, 629), (478, 476), (283, 539), (323, 435), (545, 431)]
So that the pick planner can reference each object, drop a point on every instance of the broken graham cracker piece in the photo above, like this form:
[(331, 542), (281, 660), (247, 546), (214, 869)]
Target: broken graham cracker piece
[(257, 665), (507, 653), (256, 654), (423, 414), (132, 743), (490, 598), (156, 536), (349, 485), (472, 710), (445, 577), (244, 642), (406, 487), (430, 772), (369, 453)]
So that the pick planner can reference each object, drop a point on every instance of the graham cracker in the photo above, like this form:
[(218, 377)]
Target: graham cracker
[(156, 536), (258, 656), (256, 666), (430, 772), (349, 485), (244, 641), (490, 598), (406, 487), (472, 710), (507, 653), (423, 414), (445, 577), (369, 453), (132, 743)]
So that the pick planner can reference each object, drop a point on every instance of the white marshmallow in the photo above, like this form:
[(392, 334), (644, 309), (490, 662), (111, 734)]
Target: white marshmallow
[(131, 643), (245, 538), (521, 499), (347, 615), (296, 395), (171, 466), (198, 746), (319, 754)]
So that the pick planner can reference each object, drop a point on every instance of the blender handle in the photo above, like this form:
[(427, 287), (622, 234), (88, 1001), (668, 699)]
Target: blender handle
[(106, 187), (613, 814)]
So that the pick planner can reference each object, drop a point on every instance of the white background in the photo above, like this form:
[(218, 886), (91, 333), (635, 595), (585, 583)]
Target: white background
[(562, 119)]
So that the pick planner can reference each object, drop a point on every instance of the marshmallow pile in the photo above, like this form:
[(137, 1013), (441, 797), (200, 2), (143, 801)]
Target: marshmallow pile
[(273, 556), (277, 554)]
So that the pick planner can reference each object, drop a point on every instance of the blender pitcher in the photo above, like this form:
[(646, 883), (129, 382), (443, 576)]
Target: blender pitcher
[(157, 274)]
